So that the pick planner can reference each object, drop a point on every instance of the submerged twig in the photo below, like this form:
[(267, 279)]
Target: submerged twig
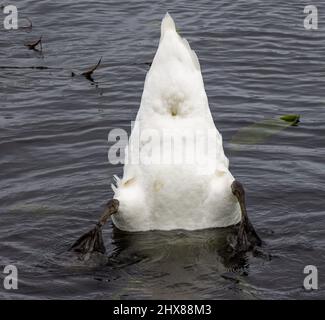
[(32, 67), (32, 46), (30, 24), (88, 74)]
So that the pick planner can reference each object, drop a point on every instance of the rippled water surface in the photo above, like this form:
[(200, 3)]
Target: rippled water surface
[(258, 63)]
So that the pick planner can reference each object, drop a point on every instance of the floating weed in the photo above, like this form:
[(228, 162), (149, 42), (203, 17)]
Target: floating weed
[(260, 131), (293, 119)]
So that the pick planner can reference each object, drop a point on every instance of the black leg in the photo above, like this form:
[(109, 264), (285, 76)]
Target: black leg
[(92, 241), (247, 238)]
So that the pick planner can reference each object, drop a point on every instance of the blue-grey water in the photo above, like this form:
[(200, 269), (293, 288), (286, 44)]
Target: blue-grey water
[(258, 63)]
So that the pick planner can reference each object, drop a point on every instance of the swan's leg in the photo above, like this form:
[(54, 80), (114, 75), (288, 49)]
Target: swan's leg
[(111, 208), (92, 241), (247, 238)]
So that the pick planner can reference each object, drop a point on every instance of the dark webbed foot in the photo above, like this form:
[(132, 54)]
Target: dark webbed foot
[(247, 238), (92, 241)]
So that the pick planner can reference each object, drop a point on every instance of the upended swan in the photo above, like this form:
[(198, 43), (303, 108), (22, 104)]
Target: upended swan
[(156, 192)]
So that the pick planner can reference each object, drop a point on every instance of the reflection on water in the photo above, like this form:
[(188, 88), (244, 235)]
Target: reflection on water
[(177, 249)]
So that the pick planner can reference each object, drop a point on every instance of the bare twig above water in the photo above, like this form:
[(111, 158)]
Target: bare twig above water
[(88, 74), (32, 46)]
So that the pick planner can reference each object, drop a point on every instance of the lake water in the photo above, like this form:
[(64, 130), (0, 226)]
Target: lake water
[(258, 63)]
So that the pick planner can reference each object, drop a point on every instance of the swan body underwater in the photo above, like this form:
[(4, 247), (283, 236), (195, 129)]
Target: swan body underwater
[(187, 194)]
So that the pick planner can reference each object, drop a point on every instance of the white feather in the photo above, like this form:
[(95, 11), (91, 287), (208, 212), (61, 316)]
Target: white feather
[(175, 196)]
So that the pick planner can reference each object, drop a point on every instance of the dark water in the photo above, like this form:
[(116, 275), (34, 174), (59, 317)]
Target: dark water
[(258, 63)]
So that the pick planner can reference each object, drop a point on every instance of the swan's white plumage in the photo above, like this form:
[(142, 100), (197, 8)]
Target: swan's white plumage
[(174, 196)]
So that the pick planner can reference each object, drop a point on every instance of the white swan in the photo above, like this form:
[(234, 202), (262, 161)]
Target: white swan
[(174, 196), (186, 191)]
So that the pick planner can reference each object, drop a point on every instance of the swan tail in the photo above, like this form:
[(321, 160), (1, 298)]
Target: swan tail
[(174, 83), (168, 26), (193, 55)]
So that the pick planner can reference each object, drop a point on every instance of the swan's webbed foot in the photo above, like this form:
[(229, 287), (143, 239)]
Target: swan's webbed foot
[(92, 241), (247, 238)]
